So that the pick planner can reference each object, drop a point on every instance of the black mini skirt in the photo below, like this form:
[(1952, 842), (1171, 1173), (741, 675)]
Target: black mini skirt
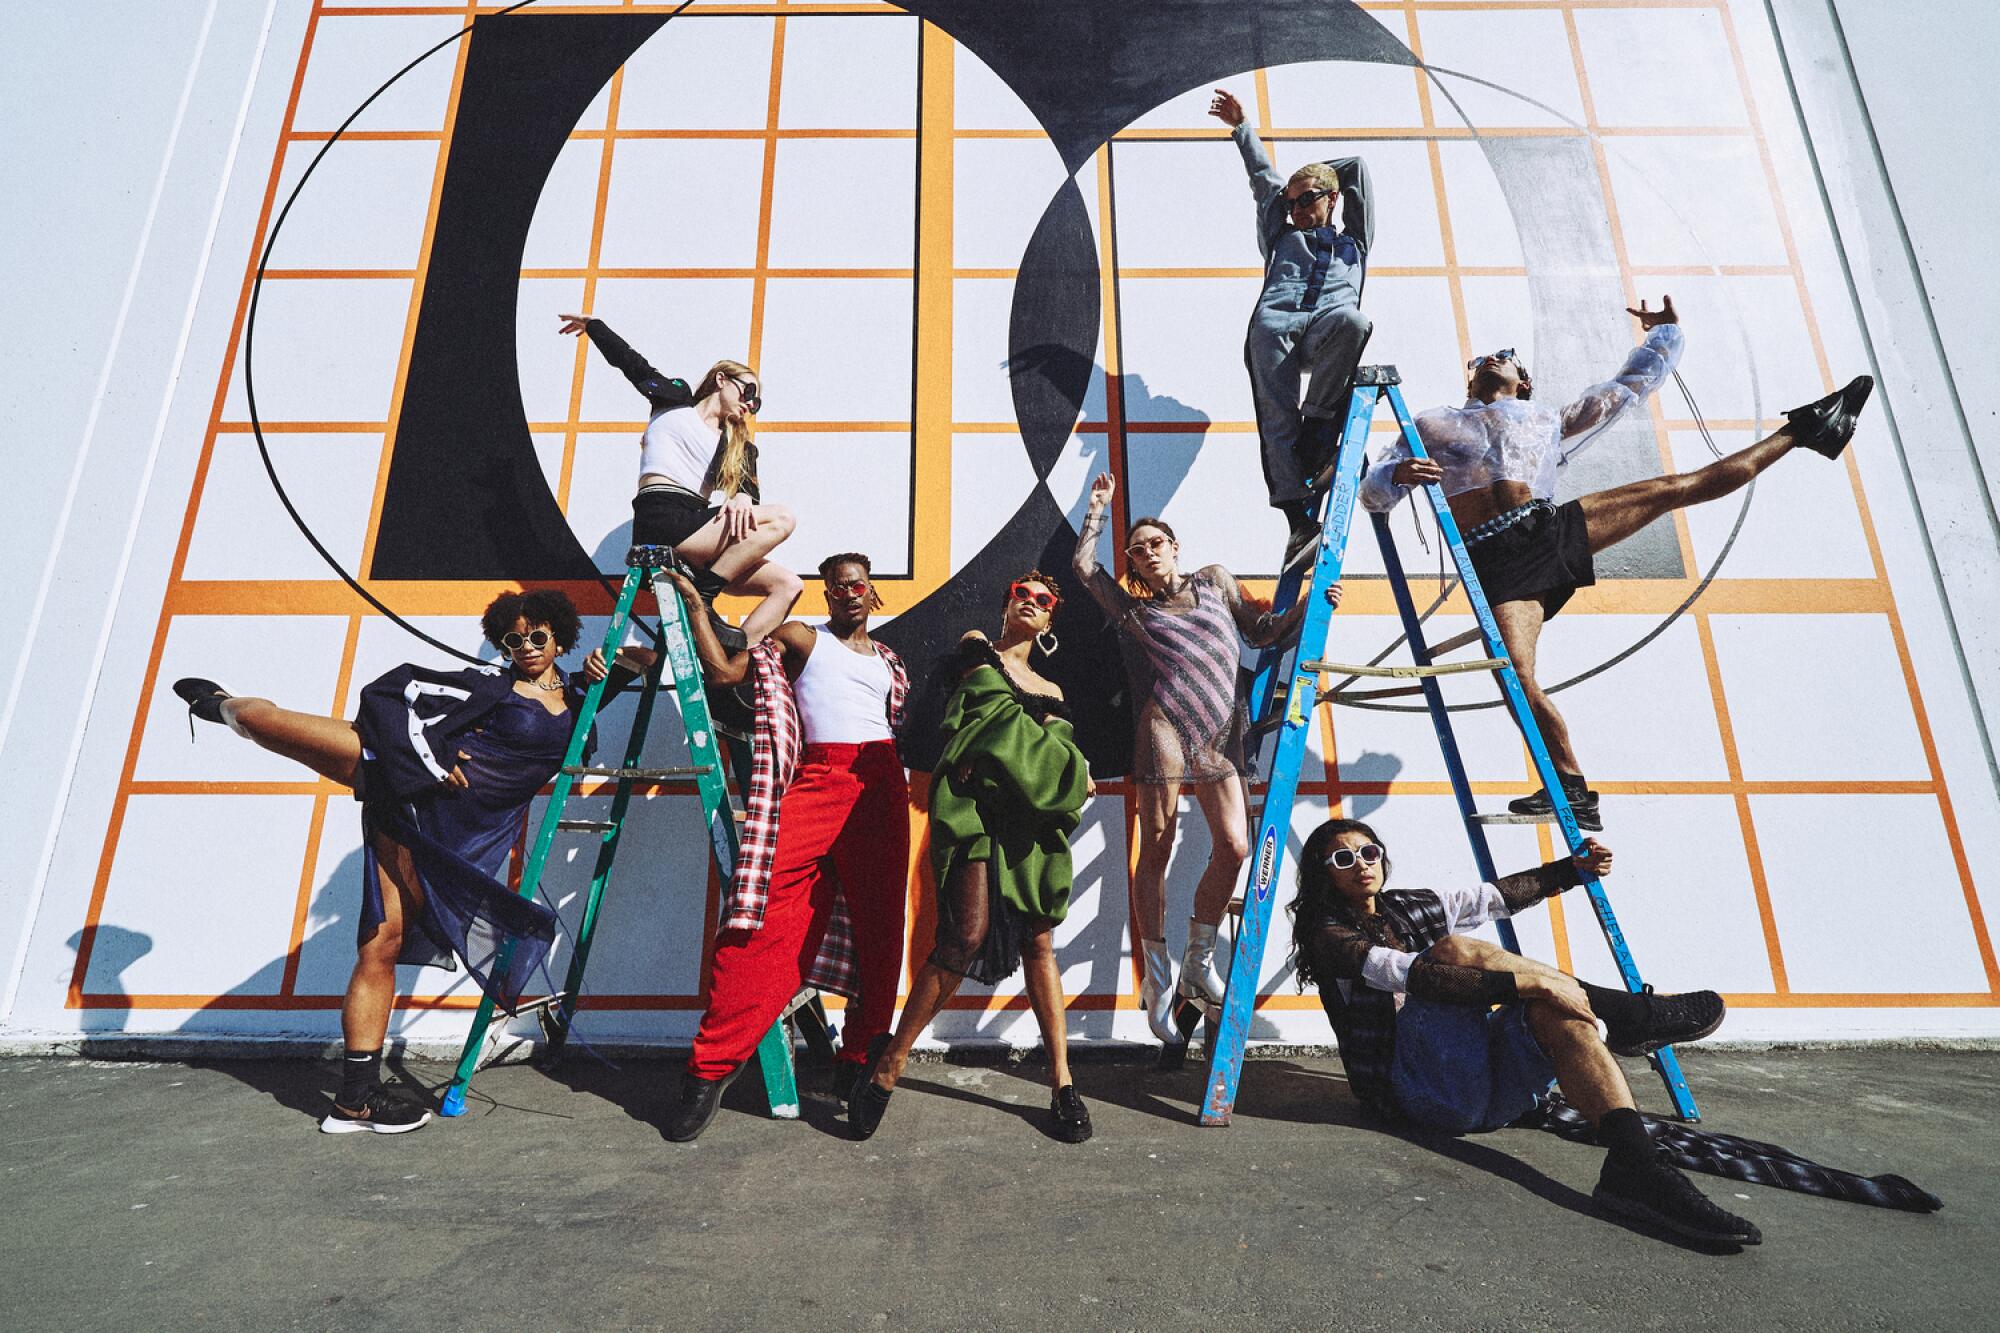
[(668, 516)]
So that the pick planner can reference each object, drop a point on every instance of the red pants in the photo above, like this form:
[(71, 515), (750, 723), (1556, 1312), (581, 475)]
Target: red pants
[(845, 820)]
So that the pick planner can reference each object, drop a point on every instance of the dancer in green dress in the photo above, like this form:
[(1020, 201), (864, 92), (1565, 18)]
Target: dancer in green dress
[(1008, 791)]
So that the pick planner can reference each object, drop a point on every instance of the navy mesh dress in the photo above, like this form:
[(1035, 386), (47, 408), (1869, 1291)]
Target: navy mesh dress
[(460, 842)]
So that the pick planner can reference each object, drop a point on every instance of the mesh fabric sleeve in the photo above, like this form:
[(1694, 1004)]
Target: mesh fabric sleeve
[(1525, 888), (1113, 600), (1258, 626), (1460, 985), (1644, 371)]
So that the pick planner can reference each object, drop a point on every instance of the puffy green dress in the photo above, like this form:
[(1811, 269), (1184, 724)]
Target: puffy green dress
[(1009, 789)]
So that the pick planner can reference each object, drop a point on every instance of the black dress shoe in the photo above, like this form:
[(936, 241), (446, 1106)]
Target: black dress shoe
[(1069, 1116), (203, 698), (700, 1097), (1670, 1020), (1827, 425)]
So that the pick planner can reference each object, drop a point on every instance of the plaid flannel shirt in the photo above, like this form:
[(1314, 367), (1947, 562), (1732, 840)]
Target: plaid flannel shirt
[(774, 759), (1364, 1018)]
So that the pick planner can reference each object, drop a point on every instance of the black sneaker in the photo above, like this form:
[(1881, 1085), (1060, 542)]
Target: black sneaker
[(1582, 803), (1654, 1191), (1827, 425), (380, 1113), (699, 1100), (1069, 1116), (1670, 1020), (203, 698)]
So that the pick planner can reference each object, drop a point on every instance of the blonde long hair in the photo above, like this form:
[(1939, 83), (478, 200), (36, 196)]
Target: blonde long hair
[(731, 468)]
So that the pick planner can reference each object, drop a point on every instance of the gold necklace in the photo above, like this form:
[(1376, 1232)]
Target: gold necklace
[(552, 687)]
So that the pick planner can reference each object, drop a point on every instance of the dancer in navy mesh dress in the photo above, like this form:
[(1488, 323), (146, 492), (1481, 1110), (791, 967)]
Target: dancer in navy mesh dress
[(445, 764)]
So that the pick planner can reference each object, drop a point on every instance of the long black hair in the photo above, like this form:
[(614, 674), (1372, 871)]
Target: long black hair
[(1318, 901)]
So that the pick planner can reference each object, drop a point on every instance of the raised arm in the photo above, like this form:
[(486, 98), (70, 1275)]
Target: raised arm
[(1525, 888), (1357, 207), (1113, 600), (662, 391), (1265, 182), (1644, 371)]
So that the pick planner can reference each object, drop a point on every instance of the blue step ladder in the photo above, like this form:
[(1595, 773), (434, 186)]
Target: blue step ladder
[(646, 565), (1285, 695)]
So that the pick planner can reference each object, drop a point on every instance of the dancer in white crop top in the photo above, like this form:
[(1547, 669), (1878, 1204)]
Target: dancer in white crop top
[(1497, 459), (697, 443)]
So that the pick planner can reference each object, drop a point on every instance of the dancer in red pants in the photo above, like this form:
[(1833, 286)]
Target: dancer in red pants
[(821, 887)]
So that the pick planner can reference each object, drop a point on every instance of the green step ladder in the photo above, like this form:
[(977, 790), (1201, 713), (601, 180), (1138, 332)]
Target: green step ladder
[(645, 564)]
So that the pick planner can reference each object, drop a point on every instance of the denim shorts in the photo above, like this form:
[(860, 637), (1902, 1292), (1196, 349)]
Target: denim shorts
[(1462, 1070)]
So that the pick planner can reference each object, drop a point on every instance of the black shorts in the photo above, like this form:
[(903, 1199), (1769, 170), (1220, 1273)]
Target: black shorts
[(1543, 556), (666, 516)]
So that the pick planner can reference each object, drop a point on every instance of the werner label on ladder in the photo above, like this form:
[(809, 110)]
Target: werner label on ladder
[(1301, 697)]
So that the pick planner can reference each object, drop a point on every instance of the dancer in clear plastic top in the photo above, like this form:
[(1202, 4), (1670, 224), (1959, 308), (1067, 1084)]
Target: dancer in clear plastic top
[(1497, 458)]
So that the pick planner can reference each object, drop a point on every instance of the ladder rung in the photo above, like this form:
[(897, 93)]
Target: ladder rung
[(546, 1002), (635, 774), (1346, 696), (1434, 669), (585, 825), (1514, 819), (806, 996), (1456, 642)]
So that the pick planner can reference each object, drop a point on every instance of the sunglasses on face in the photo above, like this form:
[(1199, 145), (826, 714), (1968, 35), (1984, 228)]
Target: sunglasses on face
[(753, 395), (1343, 858), (1027, 592), (857, 587), (1504, 354), (1146, 546), (537, 639), (1308, 199)]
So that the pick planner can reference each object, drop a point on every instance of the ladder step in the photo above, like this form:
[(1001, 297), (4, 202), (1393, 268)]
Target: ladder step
[(1395, 692), (635, 774), (585, 825), (1434, 669), (1514, 819), (535, 1006)]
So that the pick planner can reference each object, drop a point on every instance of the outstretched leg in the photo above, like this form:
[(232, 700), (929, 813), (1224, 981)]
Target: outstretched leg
[(1612, 516), (329, 746)]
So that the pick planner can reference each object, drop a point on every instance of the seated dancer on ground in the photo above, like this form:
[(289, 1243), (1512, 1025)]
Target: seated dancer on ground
[(1308, 319), (1412, 999), (698, 443), (822, 880), (1178, 634), (1497, 457), (1009, 787), (445, 764)]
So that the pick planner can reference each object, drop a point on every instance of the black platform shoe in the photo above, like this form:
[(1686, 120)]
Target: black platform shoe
[(203, 698), (1826, 426), (1068, 1116), (699, 1101)]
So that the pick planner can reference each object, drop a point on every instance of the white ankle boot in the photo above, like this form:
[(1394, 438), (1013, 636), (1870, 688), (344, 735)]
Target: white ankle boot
[(1156, 989), (1198, 974)]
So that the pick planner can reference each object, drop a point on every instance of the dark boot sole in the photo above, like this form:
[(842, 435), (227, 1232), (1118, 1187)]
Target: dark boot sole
[(1632, 1210), (1660, 1044)]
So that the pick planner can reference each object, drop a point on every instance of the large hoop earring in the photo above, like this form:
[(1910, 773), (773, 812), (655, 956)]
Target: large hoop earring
[(1048, 648)]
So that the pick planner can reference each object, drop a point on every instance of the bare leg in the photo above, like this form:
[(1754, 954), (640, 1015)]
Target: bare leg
[(1612, 516), (1159, 811), (1521, 629), (1588, 1073), (779, 588), (1045, 996), (935, 985), (731, 560), (329, 746), (371, 989), (1227, 811)]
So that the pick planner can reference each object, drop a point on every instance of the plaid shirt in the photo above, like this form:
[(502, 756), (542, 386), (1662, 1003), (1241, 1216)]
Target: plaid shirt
[(774, 758), (1364, 1018)]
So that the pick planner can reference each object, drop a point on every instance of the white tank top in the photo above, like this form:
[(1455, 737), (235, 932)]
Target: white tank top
[(843, 697), (679, 446)]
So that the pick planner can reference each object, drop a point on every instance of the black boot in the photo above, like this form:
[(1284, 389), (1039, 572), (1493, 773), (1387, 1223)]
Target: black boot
[(1317, 450), (1068, 1116), (1653, 1190), (1302, 542), (867, 1103), (1668, 1020), (1582, 803), (1826, 426), (700, 1098)]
